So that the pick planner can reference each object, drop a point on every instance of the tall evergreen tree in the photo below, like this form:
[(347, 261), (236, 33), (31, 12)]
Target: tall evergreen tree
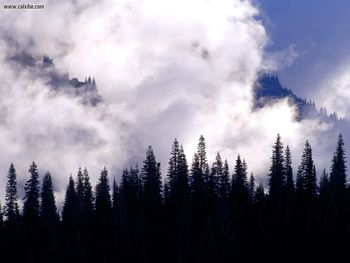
[(31, 199), (48, 209), (80, 192), (239, 189), (48, 221), (289, 172), (224, 182), (199, 173), (152, 184), (11, 206), (69, 212), (252, 187), (307, 173), (31, 213), (70, 224), (177, 176), (88, 197), (338, 170), (103, 201), (277, 171)]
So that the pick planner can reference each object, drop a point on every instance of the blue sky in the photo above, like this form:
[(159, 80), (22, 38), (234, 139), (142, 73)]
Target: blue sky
[(320, 32)]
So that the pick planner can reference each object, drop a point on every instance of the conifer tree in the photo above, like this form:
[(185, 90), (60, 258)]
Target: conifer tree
[(277, 171), (239, 180), (31, 199), (69, 212), (11, 205), (252, 187), (177, 176), (151, 178), (48, 221), (115, 198), (307, 172), (88, 197), (224, 182), (289, 172), (48, 209), (337, 176), (324, 188), (103, 201), (199, 173), (80, 192)]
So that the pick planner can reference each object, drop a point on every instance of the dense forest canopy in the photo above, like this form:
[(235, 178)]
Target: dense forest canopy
[(201, 213)]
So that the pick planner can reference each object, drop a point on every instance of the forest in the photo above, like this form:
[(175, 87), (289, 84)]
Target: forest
[(198, 213)]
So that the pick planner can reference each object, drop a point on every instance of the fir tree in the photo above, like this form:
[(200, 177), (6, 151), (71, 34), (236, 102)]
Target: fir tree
[(307, 172), (224, 182), (48, 221), (289, 187), (69, 212), (240, 180), (31, 199), (48, 209), (151, 178), (337, 176), (252, 187), (103, 201), (88, 197), (277, 172), (11, 205), (177, 176)]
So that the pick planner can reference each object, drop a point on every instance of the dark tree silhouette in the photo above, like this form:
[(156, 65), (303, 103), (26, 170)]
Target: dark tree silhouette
[(31, 199), (49, 221), (337, 177), (11, 206), (31, 213), (277, 173), (201, 216)]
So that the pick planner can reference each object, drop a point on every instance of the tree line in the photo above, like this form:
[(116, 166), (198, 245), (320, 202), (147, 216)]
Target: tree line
[(201, 213)]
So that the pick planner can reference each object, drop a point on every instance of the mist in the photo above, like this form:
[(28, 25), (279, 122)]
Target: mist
[(165, 70)]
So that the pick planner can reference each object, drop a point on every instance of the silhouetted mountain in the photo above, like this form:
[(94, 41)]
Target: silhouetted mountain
[(58, 82), (268, 90)]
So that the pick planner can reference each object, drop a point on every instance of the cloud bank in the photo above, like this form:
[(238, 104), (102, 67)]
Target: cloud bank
[(165, 69)]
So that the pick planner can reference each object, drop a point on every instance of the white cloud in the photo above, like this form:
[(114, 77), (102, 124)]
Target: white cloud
[(166, 69)]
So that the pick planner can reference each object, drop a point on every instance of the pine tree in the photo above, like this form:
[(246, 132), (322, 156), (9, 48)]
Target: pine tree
[(88, 197), (252, 188), (224, 182), (48, 221), (69, 212), (260, 195), (31, 214), (199, 173), (80, 193), (240, 181), (48, 209), (31, 199), (277, 172), (307, 173), (324, 182), (116, 204), (289, 187), (152, 184), (11, 205), (338, 170), (177, 176), (103, 201), (70, 224)]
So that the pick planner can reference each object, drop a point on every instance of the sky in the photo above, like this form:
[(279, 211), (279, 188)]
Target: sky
[(166, 69), (317, 34)]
